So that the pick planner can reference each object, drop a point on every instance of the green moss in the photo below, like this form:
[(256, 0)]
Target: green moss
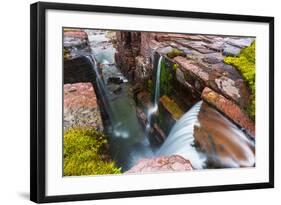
[(175, 66), (172, 107), (175, 52), (246, 65), (189, 56), (149, 86), (84, 153), (166, 78)]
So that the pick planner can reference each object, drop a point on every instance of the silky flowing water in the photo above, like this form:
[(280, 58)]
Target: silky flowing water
[(181, 140), (128, 140), (151, 111)]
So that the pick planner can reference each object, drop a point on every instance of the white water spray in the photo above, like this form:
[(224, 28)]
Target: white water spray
[(151, 111), (181, 141)]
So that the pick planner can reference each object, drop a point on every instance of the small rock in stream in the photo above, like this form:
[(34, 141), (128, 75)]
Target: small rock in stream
[(115, 80)]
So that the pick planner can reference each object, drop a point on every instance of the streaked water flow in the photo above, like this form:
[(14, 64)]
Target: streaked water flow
[(181, 141)]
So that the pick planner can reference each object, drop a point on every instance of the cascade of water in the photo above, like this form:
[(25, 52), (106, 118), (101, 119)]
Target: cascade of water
[(157, 86), (181, 141), (151, 111), (100, 84), (230, 147)]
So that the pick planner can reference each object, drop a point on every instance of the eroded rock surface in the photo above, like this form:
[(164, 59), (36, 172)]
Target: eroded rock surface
[(80, 106), (193, 63), (161, 164), (230, 109), (75, 40)]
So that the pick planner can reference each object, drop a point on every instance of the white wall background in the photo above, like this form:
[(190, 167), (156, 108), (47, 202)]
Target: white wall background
[(14, 100)]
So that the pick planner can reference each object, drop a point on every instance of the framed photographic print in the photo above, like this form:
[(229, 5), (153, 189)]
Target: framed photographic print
[(129, 102)]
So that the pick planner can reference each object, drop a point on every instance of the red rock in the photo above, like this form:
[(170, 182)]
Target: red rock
[(76, 34), (161, 164), (224, 143), (229, 109), (79, 95), (190, 66)]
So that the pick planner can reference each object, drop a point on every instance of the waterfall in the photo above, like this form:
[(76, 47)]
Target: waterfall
[(157, 85), (99, 79), (181, 141), (151, 111), (230, 147), (100, 85)]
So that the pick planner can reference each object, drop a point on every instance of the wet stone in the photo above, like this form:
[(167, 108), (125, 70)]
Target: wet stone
[(240, 42), (115, 80), (211, 60), (115, 88), (187, 51), (230, 50), (227, 87), (165, 50), (227, 70), (216, 46), (190, 66)]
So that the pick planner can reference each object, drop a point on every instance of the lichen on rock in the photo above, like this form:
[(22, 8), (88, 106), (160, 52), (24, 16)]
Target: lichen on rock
[(175, 52), (171, 107)]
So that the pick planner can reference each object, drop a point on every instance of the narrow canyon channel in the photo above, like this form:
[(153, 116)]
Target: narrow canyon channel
[(175, 111)]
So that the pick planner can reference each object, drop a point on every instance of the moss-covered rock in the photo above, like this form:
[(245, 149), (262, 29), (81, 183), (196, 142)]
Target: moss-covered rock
[(175, 52), (171, 107), (166, 78), (85, 153), (175, 66), (245, 64)]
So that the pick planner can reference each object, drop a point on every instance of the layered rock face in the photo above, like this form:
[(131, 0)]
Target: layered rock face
[(74, 40), (134, 54), (76, 67), (81, 107)]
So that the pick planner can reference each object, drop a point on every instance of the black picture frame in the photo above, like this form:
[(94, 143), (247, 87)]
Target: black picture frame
[(38, 100)]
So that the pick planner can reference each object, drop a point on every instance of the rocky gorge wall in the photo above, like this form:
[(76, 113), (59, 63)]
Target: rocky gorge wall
[(193, 68), (84, 113)]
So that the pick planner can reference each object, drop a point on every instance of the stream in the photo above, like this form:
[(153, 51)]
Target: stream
[(127, 139)]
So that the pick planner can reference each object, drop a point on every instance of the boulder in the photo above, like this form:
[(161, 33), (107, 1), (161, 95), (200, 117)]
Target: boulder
[(114, 80), (161, 164)]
